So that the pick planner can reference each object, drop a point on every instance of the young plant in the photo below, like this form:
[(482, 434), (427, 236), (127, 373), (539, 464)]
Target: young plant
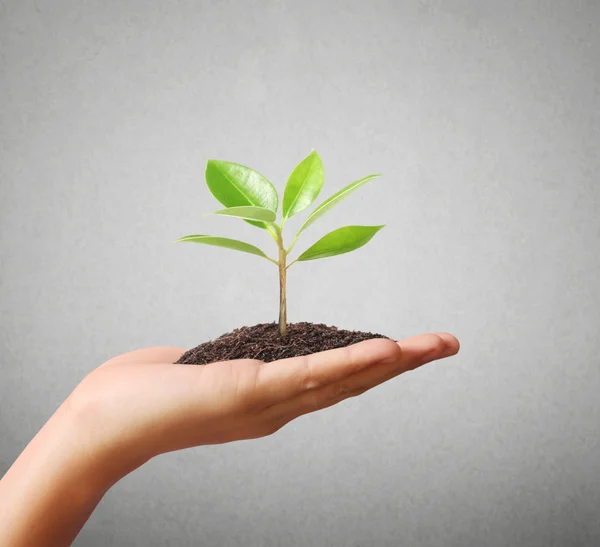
[(248, 195)]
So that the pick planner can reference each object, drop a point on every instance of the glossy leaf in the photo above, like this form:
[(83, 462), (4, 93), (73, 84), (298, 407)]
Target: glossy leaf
[(334, 200), (340, 241), (224, 242), (303, 185), (235, 185), (249, 213)]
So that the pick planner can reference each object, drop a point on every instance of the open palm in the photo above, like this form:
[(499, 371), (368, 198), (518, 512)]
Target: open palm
[(140, 404), (145, 405)]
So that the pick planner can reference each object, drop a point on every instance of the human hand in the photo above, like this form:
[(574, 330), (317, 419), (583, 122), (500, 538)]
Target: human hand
[(139, 404)]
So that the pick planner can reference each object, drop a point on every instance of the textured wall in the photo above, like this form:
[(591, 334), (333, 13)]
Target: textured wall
[(484, 118)]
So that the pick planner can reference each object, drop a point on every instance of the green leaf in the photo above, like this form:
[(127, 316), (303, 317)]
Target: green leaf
[(340, 241), (235, 185), (334, 200), (304, 185), (224, 242), (249, 213)]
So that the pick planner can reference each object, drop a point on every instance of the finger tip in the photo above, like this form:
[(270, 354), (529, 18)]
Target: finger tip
[(392, 349), (451, 343), (381, 350)]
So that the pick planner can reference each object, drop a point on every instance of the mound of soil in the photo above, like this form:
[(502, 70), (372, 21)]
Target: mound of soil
[(264, 342)]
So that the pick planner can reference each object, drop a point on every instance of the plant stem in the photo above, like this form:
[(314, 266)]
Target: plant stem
[(282, 286)]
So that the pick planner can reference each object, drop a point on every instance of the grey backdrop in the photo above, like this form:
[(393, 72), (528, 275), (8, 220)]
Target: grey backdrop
[(484, 118)]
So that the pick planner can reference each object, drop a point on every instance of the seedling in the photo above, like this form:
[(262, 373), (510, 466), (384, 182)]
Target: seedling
[(248, 195)]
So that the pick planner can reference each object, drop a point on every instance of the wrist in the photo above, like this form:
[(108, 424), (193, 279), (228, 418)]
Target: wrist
[(56, 482), (106, 455)]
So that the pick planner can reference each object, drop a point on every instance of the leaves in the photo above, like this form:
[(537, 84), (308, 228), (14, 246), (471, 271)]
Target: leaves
[(249, 213), (303, 185), (248, 195), (334, 200), (235, 185), (225, 242), (340, 241)]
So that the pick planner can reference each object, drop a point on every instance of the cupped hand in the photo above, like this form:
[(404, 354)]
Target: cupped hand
[(140, 404)]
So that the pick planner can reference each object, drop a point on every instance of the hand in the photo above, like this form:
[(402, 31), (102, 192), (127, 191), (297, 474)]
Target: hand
[(139, 405)]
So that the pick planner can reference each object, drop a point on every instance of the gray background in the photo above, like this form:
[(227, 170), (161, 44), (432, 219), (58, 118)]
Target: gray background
[(484, 118)]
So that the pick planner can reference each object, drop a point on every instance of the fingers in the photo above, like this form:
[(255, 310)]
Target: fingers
[(157, 354), (374, 376), (348, 379), (284, 379), (421, 349)]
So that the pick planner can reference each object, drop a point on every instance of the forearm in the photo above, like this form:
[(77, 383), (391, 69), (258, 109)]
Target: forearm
[(52, 488)]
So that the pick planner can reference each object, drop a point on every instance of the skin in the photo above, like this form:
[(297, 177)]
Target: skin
[(139, 405)]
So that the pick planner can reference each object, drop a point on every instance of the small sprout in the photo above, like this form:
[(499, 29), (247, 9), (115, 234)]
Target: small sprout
[(248, 195)]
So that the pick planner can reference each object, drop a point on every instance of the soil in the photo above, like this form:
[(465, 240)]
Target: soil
[(263, 342)]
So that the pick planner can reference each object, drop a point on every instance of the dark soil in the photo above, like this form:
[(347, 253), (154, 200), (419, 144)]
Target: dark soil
[(264, 342)]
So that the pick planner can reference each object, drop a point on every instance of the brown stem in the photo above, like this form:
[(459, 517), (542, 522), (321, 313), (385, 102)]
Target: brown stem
[(282, 288)]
